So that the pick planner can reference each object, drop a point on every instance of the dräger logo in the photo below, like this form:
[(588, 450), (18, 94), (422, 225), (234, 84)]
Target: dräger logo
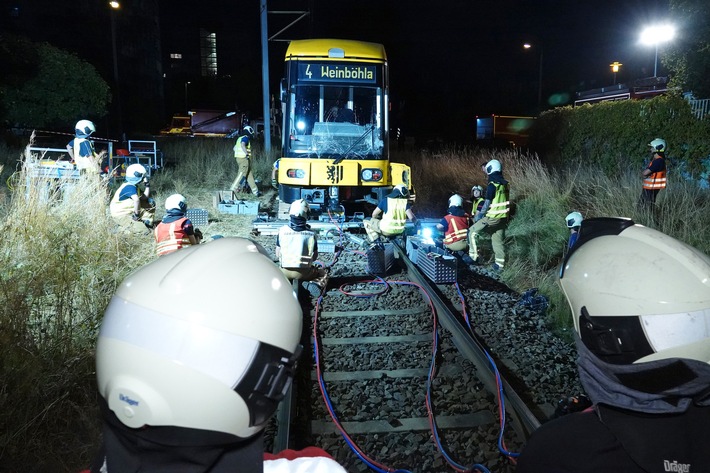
[(676, 467), (133, 402)]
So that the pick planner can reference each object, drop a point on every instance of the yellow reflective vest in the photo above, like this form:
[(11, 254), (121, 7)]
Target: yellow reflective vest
[(395, 218), (500, 205), (238, 151)]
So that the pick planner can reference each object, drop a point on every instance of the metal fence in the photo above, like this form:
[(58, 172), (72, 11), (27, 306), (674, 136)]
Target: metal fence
[(700, 107)]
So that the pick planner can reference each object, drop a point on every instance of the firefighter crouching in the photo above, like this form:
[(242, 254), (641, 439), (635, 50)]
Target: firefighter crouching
[(390, 216), (132, 209), (175, 231), (454, 225), (297, 249)]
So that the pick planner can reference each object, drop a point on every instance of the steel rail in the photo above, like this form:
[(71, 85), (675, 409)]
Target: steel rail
[(525, 421)]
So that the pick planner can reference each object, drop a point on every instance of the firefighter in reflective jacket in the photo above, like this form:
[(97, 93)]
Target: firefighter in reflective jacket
[(242, 153), (81, 148), (654, 176), (175, 231), (455, 225), (493, 217), (297, 249), (476, 199), (130, 208), (391, 214)]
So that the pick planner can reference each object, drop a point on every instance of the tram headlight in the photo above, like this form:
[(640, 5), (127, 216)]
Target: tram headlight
[(296, 173), (371, 175), (300, 125)]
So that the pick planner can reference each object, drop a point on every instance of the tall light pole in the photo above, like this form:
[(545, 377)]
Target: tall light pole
[(539, 79), (114, 7), (653, 36), (615, 66), (187, 110)]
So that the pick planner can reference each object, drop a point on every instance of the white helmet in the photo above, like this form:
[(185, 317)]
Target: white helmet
[(299, 208), (493, 166), (455, 201), (176, 202), (476, 188), (658, 145), (248, 129), (84, 128), (135, 173), (400, 189), (636, 294), (168, 356), (574, 219)]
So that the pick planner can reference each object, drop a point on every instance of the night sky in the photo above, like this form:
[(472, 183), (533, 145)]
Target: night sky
[(455, 59), (449, 60)]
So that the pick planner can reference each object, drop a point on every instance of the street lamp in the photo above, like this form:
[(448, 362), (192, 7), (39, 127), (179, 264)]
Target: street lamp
[(615, 66), (653, 36), (539, 80), (187, 110), (114, 7)]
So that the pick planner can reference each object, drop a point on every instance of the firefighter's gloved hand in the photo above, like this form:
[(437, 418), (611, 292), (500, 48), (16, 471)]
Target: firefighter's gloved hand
[(274, 183), (146, 181), (136, 217)]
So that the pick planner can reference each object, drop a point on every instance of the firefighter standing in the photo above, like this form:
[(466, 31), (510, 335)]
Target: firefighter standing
[(132, 209), (640, 304), (455, 225), (390, 215), (175, 231), (654, 176), (493, 216), (297, 248), (81, 148), (242, 153)]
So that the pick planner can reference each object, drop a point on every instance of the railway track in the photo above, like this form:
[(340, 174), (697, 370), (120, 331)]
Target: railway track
[(397, 380)]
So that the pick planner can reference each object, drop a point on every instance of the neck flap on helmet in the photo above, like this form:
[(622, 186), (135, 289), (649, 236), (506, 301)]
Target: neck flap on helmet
[(175, 449)]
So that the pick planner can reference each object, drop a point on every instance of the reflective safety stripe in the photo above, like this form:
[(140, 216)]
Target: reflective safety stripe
[(394, 220), (171, 237), (458, 229), (297, 248), (500, 206), (238, 151), (655, 180)]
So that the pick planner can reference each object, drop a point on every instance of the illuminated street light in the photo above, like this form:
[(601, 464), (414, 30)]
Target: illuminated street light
[(653, 36), (539, 80), (615, 66)]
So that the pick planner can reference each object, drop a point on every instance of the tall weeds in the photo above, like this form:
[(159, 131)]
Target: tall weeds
[(62, 261)]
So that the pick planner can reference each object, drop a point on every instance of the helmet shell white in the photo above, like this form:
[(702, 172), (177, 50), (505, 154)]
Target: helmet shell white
[(493, 166), (574, 219), (248, 129), (176, 202), (658, 145), (401, 189), (177, 354), (477, 188), (455, 201), (84, 128), (649, 286), (135, 173), (299, 208)]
